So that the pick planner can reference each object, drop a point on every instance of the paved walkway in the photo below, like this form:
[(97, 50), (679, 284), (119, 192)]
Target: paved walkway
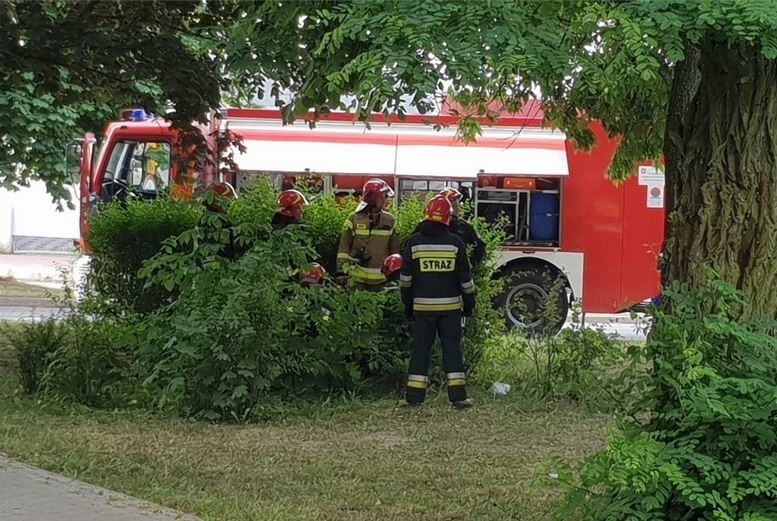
[(31, 494)]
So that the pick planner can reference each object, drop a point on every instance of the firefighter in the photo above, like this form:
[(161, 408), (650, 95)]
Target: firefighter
[(291, 203), (369, 236), (314, 277), (462, 228), (215, 196), (391, 269), (437, 288)]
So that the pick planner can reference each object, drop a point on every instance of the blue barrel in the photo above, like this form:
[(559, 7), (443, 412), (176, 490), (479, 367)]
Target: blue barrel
[(544, 217)]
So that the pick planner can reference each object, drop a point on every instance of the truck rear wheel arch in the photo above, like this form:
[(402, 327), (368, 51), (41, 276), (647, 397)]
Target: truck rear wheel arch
[(528, 284)]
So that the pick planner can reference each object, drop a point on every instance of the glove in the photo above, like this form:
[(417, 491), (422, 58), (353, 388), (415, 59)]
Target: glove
[(469, 306), (341, 278)]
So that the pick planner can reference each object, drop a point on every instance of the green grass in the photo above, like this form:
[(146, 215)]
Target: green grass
[(12, 288), (345, 461)]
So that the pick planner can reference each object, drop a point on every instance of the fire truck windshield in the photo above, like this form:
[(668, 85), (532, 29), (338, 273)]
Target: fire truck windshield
[(137, 166)]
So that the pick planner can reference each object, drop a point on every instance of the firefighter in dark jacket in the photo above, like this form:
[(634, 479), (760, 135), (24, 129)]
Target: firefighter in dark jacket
[(369, 236), (437, 287), (462, 228), (291, 203)]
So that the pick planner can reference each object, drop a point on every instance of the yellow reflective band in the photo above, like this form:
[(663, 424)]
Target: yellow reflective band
[(344, 256), (416, 385), (468, 290), (456, 382), (405, 284), (384, 233), (348, 225), (367, 274), (434, 255), (435, 247), (436, 307), (437, 300), (362, 233)]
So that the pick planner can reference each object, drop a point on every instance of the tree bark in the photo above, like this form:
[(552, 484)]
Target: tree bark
[(721, 153)]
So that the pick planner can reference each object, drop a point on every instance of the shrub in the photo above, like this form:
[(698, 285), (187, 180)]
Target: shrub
[(242, 331), (325, 218), (122, 237), (89, 366), (219, 336), (488, 321), (33, 344), (577, 364), (701, 443), (255, 206), (408, 215)]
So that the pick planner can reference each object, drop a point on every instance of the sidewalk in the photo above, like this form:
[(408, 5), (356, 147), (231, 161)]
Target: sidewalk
[(31, 494)]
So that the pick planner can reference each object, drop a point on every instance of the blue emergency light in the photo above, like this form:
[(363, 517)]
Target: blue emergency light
[(135, 115)]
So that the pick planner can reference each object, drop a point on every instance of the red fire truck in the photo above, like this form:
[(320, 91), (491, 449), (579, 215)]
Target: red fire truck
[(563, 219)]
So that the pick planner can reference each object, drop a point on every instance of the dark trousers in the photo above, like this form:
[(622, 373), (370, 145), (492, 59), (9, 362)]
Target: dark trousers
[(426, 327)]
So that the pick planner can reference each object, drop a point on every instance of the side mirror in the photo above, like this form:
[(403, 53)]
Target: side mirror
[(73, 160)]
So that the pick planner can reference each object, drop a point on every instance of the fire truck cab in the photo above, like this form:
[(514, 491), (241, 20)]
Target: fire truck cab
[(565, 223)]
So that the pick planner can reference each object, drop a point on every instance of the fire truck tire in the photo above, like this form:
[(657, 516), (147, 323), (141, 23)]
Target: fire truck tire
[(524, 300)]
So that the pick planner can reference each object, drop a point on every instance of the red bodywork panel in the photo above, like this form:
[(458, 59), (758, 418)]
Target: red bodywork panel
[(87, 156), (612, 225)]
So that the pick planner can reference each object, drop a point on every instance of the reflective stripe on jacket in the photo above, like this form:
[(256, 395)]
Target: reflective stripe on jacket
[(368, 238)]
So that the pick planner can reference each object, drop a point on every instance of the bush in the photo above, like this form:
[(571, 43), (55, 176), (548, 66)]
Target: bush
[(89, 366), (577, 364), (33, 344), (325, 218), (488, 321), (122, 237), (409, 214), (255, 206), (701, 443), (242, 331), (219, 336)]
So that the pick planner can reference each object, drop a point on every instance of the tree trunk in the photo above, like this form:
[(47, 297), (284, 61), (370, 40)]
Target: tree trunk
[(721, 151)]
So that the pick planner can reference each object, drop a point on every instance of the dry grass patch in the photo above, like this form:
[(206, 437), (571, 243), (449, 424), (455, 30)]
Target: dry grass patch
[(13, 288), (348, 461)]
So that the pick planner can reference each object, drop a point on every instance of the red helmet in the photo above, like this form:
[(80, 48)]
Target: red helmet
[(224, 189), (290, 202), (220, 189), (439, 210), (391, 265), (451, 194), (373, 188), (314, 276)]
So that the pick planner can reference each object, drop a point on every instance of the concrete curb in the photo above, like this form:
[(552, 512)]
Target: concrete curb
[(31, 493)]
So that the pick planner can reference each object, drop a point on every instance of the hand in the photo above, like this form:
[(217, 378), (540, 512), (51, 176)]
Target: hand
[(469, 306), (341, 278)]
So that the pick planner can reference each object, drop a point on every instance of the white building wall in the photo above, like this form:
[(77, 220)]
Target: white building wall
[(30, 220)]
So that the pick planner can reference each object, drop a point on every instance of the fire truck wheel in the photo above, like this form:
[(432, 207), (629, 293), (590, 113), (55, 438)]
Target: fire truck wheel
[(527, 297)]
